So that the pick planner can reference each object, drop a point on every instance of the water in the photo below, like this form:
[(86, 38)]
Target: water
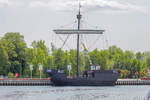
[(73, 93)]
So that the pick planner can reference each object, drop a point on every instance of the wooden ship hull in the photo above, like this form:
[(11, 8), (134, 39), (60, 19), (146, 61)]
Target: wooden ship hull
[(97, 78), (101, 78)]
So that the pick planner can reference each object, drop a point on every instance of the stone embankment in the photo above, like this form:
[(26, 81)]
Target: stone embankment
[(133, 82), (46, 82), (25, 82)]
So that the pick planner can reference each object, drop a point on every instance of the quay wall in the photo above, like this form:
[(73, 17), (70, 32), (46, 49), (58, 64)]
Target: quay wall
[(46, 82), (25, 82), (132, 82)]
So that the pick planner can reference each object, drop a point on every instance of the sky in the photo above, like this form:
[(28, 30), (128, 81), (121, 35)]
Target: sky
[(126, 22)]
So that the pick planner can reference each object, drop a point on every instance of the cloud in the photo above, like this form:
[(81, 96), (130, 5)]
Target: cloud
[(3, 3), (71, 5), (88, 5), (60, 5), (38, 4), (11, 3), (111, 5)]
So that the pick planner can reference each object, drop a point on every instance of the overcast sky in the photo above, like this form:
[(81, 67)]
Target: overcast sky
[(127, 22)]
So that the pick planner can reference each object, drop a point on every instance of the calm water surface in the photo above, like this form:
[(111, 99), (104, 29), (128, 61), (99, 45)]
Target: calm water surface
[(73, 93)]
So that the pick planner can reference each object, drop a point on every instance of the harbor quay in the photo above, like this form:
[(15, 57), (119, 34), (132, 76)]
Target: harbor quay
[(25, 82), (132, 82), (46, 82)]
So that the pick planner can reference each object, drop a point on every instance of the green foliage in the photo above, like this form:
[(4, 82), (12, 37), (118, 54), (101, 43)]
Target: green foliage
[(125, 73), (4, 63), (59, 58), (40, 55), (11, 75), (148, 61), (15, 46), (16, 57)]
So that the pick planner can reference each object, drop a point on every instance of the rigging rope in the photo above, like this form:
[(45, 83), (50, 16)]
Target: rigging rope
[(107, 41), (62, 40), (90, 25), (94, 43), (103, 38), (81, 40), (65, 41)]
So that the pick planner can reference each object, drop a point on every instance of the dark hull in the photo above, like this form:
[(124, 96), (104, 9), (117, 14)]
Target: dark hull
[(102, 78), (82, 82)]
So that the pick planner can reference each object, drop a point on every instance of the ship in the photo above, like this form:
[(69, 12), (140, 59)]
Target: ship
[(93, 77)]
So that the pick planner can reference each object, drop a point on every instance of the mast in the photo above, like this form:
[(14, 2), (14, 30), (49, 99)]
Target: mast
[(78, 31), (78, 39)]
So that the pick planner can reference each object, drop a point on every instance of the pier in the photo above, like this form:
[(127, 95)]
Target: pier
[(132, 82), (47, 82), (25, 82)]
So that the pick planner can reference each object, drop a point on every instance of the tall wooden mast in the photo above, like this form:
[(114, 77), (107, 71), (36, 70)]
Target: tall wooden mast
[(78, 39), (78, 32)]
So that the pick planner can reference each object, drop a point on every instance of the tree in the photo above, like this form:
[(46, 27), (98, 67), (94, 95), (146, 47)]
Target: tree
[(94, 56), (40, 56), (15, 48), (148, 61), (29, 55), (53, 47), (73, 59), (59, 58), (4, 63), (40, 44), (15, 57), (139, 56)]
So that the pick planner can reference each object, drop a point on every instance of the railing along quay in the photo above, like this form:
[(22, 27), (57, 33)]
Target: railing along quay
[(132, 82), (25, 82)]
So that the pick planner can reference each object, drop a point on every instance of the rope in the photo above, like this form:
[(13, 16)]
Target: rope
[(94, 43), (107, 41), (81, 40), (62, 40), (103, 42), (90, 25), (65, 41)]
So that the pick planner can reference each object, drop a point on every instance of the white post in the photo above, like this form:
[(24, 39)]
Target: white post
[(69, 68), (69, 73), (31, 68), (31, 74), (40, 74), (40, 68)]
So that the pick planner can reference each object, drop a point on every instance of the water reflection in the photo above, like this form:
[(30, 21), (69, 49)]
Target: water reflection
[(74, 93), (13, 96), (85, 97)]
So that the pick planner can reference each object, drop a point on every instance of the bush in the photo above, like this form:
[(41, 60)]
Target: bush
[(10, 75)]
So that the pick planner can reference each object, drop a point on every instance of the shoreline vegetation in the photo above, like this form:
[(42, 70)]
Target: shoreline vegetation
[(16, 57)]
